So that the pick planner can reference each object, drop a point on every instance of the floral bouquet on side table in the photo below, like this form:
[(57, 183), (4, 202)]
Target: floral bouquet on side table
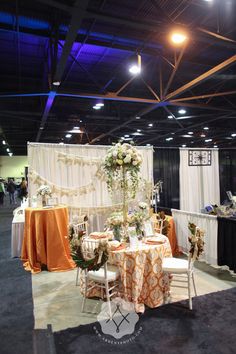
[(44, 191), (115, 223)]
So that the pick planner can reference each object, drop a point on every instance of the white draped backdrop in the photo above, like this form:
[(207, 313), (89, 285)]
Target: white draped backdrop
[(75, 176), (199, 185)]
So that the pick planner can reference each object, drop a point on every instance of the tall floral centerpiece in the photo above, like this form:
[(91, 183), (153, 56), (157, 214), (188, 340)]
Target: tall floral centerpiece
[(44, 191), (122, 167)]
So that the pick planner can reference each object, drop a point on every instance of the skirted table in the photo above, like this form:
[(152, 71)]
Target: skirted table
[(142, 280), (226, 246), (45, 244)]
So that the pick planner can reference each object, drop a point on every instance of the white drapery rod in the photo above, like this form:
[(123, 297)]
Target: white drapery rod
[(61, 146)]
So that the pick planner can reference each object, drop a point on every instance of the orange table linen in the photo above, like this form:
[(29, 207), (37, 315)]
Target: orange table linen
[(45, 240), (171, 234), (142, 280)]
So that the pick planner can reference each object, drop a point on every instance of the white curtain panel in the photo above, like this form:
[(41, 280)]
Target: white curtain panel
[(208, 223), (199, 185), (73, 170)]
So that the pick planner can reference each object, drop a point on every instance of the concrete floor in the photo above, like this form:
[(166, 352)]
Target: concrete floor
[(57, 301)]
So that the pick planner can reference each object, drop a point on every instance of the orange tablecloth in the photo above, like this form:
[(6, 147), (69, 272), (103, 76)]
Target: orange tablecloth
[(171, 234), (45, 240), (142, 279)]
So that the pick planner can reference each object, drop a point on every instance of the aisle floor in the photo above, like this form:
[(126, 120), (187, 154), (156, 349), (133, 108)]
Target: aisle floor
[(57, 301)]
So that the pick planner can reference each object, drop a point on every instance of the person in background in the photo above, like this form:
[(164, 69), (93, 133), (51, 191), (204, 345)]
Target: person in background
[(23, 189), (11, 188), (2, 191)]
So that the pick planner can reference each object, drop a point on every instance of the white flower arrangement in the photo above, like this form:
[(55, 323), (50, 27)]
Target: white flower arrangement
[(122, 154), (122, 164), (115, 219), (44, 190), (143, 206)]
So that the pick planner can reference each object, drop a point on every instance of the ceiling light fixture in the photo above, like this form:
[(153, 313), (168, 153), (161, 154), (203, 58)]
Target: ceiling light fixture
[(8, 150), (96, 107), (208, 140), (169, 139), (178, 37), (137, 134), (190, 133), (170, 117), (75, 130), (150, 125), (135, 64), (181, 111), (203, 135), (68, 135), (100, 104), (233, 135), (206, 128), (139, 130), (138, 117), (126, 135), (183, 146), (61, 143), (3, 142), (215, 146), (56, 83)]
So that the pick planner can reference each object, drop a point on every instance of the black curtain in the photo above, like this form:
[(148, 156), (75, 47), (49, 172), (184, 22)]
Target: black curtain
[(166, 168), (227, 166)]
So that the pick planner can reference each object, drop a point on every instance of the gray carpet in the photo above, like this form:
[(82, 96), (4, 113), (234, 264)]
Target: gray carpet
[(171, 329), (16, 304)]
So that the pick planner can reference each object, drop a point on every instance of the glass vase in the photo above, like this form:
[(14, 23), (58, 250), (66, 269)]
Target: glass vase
[(117, 233), (44, 200)]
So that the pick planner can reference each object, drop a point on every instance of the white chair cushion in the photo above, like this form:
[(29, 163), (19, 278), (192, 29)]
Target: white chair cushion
[(174, 265), (112, 274)]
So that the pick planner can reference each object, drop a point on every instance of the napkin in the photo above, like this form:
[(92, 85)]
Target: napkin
[(119, 248), (98, 235), (154, 241)]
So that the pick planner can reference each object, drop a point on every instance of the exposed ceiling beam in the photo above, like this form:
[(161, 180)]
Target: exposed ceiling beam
[(216, 35), (176, 66), (228, 62), (76, 19), (57, 5), (147, 26), (215, 94), (200, 106)]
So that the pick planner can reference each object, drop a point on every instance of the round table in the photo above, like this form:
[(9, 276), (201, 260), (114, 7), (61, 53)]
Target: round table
[(142, 281), (45, 244)]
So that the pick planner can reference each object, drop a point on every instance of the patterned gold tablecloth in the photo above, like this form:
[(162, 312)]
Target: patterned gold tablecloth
[(142, 279)]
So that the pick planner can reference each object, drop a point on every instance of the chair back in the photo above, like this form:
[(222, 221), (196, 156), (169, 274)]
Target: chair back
[(196, 246), (88, 246)]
